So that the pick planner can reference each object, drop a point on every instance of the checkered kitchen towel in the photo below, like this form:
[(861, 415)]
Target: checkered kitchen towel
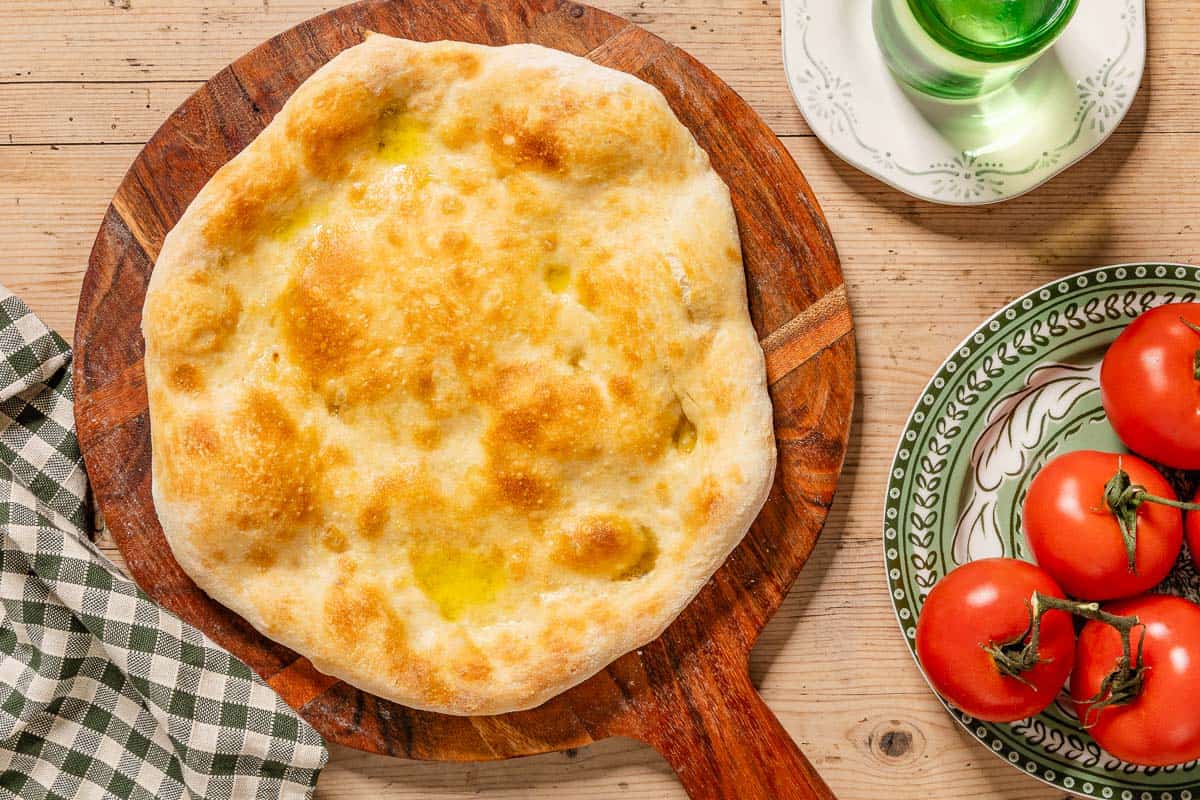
[(102, 692)]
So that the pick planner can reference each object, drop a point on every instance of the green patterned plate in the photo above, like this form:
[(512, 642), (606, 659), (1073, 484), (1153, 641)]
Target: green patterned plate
[(1021, 389)]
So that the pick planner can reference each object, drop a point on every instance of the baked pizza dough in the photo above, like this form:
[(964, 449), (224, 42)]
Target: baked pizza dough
[(453, 387)]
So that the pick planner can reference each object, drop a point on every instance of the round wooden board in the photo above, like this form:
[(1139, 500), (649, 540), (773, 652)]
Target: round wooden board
[(688, 694)]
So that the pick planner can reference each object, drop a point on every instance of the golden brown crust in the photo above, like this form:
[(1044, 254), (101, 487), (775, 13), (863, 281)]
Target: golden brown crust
[(453, 385)]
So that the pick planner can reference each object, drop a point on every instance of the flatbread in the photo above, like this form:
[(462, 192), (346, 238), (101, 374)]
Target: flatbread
[(453, 386)]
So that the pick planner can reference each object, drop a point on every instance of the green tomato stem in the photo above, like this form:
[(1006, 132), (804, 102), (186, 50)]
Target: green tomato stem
[(1195, 358), (1124, 683), (1018, 656), (1123, 497)]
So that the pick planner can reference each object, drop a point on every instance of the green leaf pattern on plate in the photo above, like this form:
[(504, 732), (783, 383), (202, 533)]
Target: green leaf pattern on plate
[(1017, 426)]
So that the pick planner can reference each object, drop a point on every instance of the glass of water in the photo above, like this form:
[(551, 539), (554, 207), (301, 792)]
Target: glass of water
[(965, 49)]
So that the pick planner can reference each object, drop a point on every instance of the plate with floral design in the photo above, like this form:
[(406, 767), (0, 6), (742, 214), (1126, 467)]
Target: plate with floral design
[(987, 151), (1020, 390)]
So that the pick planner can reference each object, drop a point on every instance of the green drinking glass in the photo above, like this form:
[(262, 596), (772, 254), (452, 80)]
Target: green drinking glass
[(965, 49)]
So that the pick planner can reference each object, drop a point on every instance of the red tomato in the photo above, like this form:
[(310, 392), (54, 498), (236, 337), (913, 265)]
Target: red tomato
[(1150, 386), (1076, 537), (1160, 726), (1192, 530), (985, 603)]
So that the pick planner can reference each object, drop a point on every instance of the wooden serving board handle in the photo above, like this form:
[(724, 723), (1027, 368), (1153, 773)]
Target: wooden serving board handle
[(725, 743)]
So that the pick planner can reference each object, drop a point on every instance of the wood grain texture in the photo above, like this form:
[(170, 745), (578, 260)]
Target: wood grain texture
[(831, 663), (688, 694)]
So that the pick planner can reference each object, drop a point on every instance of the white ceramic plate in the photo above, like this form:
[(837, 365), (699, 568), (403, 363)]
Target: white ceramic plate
[(991, 150)]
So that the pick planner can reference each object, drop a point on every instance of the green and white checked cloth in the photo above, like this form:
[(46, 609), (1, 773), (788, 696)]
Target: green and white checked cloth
[(102, 692)]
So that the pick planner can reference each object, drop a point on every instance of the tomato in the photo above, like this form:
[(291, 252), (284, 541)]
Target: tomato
[(1075, 535), (1160, 725), (985, 604), (1150, 385), (1192, 531)]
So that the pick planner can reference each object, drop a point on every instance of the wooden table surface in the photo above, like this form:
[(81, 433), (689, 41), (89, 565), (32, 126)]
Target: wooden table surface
[(83, 83)]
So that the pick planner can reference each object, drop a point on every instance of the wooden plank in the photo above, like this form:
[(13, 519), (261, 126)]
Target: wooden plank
[(86, 113), (167, 46), (190, 40)]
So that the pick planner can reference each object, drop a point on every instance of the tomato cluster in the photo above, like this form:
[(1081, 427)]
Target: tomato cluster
[(996, 637)]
